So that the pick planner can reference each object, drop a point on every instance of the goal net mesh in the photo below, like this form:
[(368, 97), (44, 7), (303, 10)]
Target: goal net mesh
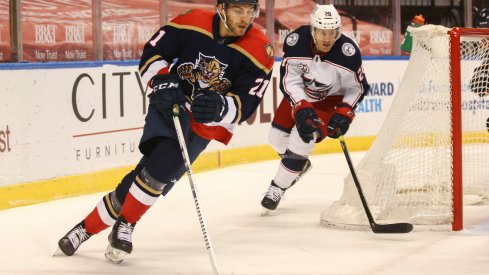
[(407, 173)]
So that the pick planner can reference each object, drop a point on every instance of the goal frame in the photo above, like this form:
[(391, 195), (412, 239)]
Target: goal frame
[(456, 117)]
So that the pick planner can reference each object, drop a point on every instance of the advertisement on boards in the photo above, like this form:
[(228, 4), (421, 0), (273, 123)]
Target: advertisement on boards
[(66, 121)]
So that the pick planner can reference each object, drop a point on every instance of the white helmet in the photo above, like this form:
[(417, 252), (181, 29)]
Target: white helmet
[(325, 17)]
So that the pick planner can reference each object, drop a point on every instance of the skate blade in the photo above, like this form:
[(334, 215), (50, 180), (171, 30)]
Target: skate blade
[(58, 253), (115, 255), (265, 212)]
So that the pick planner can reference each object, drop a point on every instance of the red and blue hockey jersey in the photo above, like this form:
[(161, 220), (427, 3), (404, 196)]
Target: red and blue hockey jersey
[(237, 67)]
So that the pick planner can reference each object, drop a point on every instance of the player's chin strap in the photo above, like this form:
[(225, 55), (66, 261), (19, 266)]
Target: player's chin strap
[(224, 18)]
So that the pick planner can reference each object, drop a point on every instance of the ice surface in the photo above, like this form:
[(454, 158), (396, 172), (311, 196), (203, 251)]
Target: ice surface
[(290, 240)]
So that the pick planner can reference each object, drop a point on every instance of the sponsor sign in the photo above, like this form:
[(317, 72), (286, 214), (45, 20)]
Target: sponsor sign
[(65, 121)]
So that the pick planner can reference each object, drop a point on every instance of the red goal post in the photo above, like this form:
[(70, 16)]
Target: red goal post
[(432, 152), (456, 35)]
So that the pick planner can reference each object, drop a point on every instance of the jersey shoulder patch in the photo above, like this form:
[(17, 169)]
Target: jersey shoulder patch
[(348, 49), (256, 46), (298, 42), (194, 19), (292, 39), (348, 46), (346, 53)]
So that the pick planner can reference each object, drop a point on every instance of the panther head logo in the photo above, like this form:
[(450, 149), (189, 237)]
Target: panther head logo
[(206, 73)]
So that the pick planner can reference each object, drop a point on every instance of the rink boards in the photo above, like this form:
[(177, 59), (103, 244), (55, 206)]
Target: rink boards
[(68, 129)]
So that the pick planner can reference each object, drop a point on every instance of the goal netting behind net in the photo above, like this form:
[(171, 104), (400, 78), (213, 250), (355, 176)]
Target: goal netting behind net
[(408, 173)]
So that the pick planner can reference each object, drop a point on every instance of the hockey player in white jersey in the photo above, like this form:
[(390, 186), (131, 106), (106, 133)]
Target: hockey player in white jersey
[(322, 80)]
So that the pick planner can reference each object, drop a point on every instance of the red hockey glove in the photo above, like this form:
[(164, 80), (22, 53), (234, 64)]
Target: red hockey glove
[(306, 121), (341, 119)]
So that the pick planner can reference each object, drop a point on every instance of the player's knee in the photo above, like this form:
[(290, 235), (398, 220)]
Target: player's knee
[(278, 139), (293, 161), (151, 182), (165, 161)]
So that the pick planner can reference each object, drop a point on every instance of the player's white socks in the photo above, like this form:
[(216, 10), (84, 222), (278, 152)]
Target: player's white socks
[(285, 177)]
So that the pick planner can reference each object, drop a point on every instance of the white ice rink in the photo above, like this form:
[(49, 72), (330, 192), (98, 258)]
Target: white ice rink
[(168, 239)]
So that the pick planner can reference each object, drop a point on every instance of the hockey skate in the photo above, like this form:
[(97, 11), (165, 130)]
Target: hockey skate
[(120, 241), (72, 240), (275, 193), (272, 197)]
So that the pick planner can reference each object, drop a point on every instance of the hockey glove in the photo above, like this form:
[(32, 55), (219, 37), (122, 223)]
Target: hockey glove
[(341, 119), (306, 121), (166, 93), (209, 106)]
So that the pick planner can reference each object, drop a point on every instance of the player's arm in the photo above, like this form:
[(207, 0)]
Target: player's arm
[(159, 52), (355, 85), (156, 58), (353, 81), (292, 87), (291, 81)]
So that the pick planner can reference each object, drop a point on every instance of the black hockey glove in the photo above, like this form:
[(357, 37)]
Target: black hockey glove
[(209, 106), (166, 93), (307, 121), (341, 119)]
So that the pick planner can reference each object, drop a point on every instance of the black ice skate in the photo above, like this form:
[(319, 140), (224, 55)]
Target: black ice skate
[(120, 241), (273, 196), (275, 193), (72, 240)]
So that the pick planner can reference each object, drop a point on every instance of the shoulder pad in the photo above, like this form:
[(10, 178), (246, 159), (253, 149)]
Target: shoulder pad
[(256, 46), (348, 46), (194, 19)]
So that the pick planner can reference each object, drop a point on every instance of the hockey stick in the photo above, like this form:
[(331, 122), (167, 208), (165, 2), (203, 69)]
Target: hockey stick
[(376, 228), (186, 159)]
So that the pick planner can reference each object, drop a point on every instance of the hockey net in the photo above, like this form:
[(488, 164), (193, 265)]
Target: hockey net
[(434, 142)]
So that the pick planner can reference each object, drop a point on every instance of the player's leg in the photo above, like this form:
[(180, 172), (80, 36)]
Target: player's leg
[(295, 157), (280, 139), (163, 169), (142, 194), (101, 217), (295, 160)]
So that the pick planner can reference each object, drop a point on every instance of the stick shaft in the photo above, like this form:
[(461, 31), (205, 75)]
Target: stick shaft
[(376, 228), (183, 147), (355, 179)]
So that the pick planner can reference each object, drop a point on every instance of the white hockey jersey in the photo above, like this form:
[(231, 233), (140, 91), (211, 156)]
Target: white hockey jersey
[(312, 77)]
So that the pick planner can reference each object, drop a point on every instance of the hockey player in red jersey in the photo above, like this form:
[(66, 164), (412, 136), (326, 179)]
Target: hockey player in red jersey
[(322, 81), (221, 67)]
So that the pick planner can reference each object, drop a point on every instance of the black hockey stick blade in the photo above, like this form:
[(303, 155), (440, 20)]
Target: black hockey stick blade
[(376, 228), (392, 228)]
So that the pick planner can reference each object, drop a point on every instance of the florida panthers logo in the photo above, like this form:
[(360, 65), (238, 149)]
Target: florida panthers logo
[(206, 73)]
